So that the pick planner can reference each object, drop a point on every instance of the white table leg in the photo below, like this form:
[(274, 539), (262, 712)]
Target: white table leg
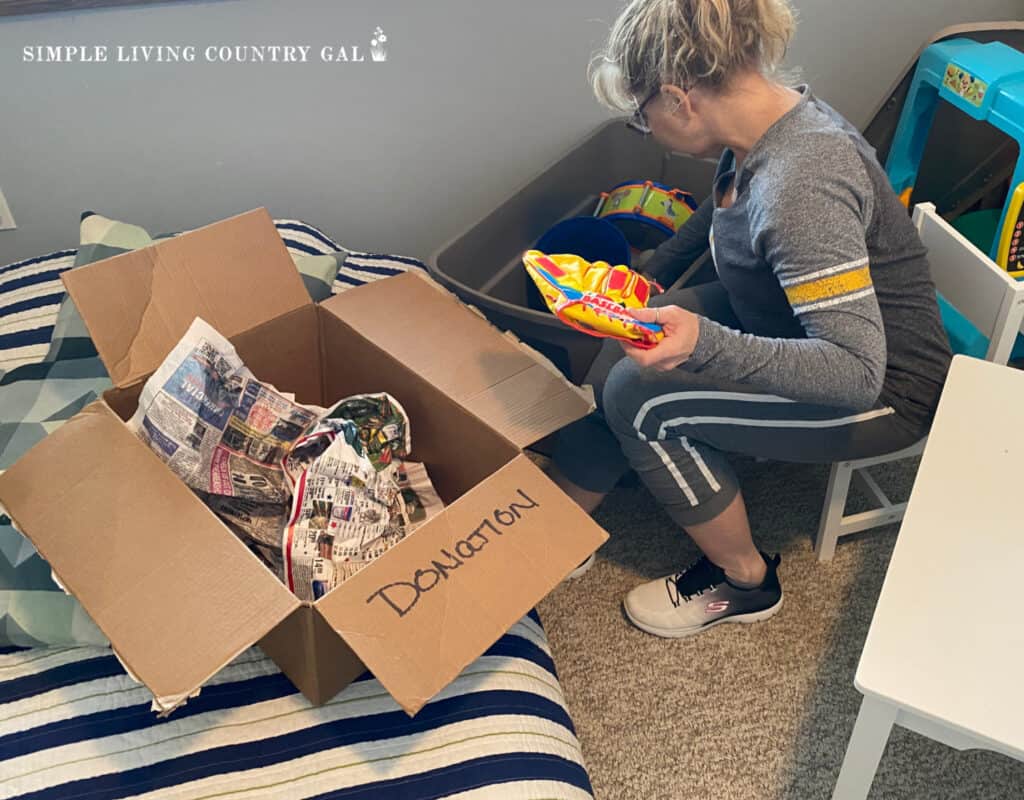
[(867, 743)]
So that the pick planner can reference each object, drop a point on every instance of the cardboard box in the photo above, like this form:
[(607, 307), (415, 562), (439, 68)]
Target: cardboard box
[(179, 596)]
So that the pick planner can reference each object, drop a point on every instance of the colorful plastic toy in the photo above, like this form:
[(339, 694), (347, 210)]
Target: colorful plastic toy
[(590, 238), (646, 212), (986, 82), (593, 297)]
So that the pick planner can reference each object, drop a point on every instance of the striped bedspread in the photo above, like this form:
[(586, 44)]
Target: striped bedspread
[(31, 290), (73, 726)]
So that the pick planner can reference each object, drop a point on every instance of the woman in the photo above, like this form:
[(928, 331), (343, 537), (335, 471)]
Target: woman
[(821, 340)]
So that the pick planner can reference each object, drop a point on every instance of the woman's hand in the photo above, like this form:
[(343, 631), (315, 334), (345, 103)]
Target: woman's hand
[(681, 329)]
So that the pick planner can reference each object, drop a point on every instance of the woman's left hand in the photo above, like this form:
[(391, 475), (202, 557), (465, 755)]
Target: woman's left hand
[(681, 328)]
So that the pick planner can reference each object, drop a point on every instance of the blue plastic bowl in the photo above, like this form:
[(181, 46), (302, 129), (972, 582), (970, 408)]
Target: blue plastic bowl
[(592, 238)]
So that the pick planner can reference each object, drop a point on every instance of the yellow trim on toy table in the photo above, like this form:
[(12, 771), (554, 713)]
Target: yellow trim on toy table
[(1009, 226), (905, 196)]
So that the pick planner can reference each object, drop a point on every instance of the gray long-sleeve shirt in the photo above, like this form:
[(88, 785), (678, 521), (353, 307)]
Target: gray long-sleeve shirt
[(824, 270)]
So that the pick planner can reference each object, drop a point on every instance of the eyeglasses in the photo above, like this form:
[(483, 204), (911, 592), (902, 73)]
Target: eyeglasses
[(638, 121)]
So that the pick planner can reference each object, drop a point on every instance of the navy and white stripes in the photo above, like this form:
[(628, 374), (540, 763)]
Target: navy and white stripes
[(30, 294), (74, 726)]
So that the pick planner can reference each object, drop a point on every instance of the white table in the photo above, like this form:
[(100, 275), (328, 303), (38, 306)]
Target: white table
[(945, 652)]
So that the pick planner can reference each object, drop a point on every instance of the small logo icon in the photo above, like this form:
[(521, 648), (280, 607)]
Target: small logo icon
[(378, 45), (716, 605)]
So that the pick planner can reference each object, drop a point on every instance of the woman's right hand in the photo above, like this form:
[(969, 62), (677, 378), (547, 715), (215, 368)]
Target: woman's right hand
[(681, 329)]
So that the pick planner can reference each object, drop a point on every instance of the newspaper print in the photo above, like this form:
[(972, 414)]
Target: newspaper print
[(257, 524), (214, 424), (418, 493), (353, 494)]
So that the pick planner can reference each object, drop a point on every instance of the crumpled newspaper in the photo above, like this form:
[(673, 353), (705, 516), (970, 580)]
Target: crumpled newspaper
[(314, 493), (214, 424), (354, 496)]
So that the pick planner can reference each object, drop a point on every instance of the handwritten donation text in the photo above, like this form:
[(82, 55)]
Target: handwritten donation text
[(402, 596)]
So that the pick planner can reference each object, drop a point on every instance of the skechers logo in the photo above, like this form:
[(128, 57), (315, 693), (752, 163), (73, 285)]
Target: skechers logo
[(716, 605)]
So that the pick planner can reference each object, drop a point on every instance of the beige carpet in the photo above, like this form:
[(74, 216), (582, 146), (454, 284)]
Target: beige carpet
[(751, 712)]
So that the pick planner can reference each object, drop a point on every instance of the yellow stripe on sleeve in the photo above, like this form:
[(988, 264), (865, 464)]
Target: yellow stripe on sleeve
[(831, 286)]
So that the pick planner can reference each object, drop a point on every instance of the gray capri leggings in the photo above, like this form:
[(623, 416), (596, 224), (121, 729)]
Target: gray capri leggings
[(675, 427)]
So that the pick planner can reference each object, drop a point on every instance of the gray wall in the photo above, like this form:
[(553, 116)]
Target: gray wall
[(398, 156)]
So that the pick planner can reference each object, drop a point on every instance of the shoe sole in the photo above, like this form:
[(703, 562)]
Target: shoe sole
[(582, 568), (682, 633)]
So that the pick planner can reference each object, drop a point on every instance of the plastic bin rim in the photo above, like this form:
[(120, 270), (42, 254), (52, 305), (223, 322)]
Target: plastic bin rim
[(594, 132)]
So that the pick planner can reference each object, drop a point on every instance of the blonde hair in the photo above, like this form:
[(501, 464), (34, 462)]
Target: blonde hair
[(688, 43)]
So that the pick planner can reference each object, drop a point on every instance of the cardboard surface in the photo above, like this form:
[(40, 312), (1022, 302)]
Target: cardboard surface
[(457, 447), (163, 578), (284, 351), (510, 386), (444, 594), (312, 655), (234, 274), (179, 595)]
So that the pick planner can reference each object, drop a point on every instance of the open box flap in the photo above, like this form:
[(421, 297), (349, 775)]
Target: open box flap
[(509, 385), (448, 591), (234, 274), (169, 585)]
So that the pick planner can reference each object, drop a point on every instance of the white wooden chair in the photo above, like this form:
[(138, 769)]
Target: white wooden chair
[(987, 296)]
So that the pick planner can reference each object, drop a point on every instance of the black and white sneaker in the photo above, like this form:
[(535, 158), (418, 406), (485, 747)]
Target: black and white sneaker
[(700, 597)]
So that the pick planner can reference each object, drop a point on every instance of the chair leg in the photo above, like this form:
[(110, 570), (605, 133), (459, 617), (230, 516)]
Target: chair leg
[(864, 752), (832, 513)]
